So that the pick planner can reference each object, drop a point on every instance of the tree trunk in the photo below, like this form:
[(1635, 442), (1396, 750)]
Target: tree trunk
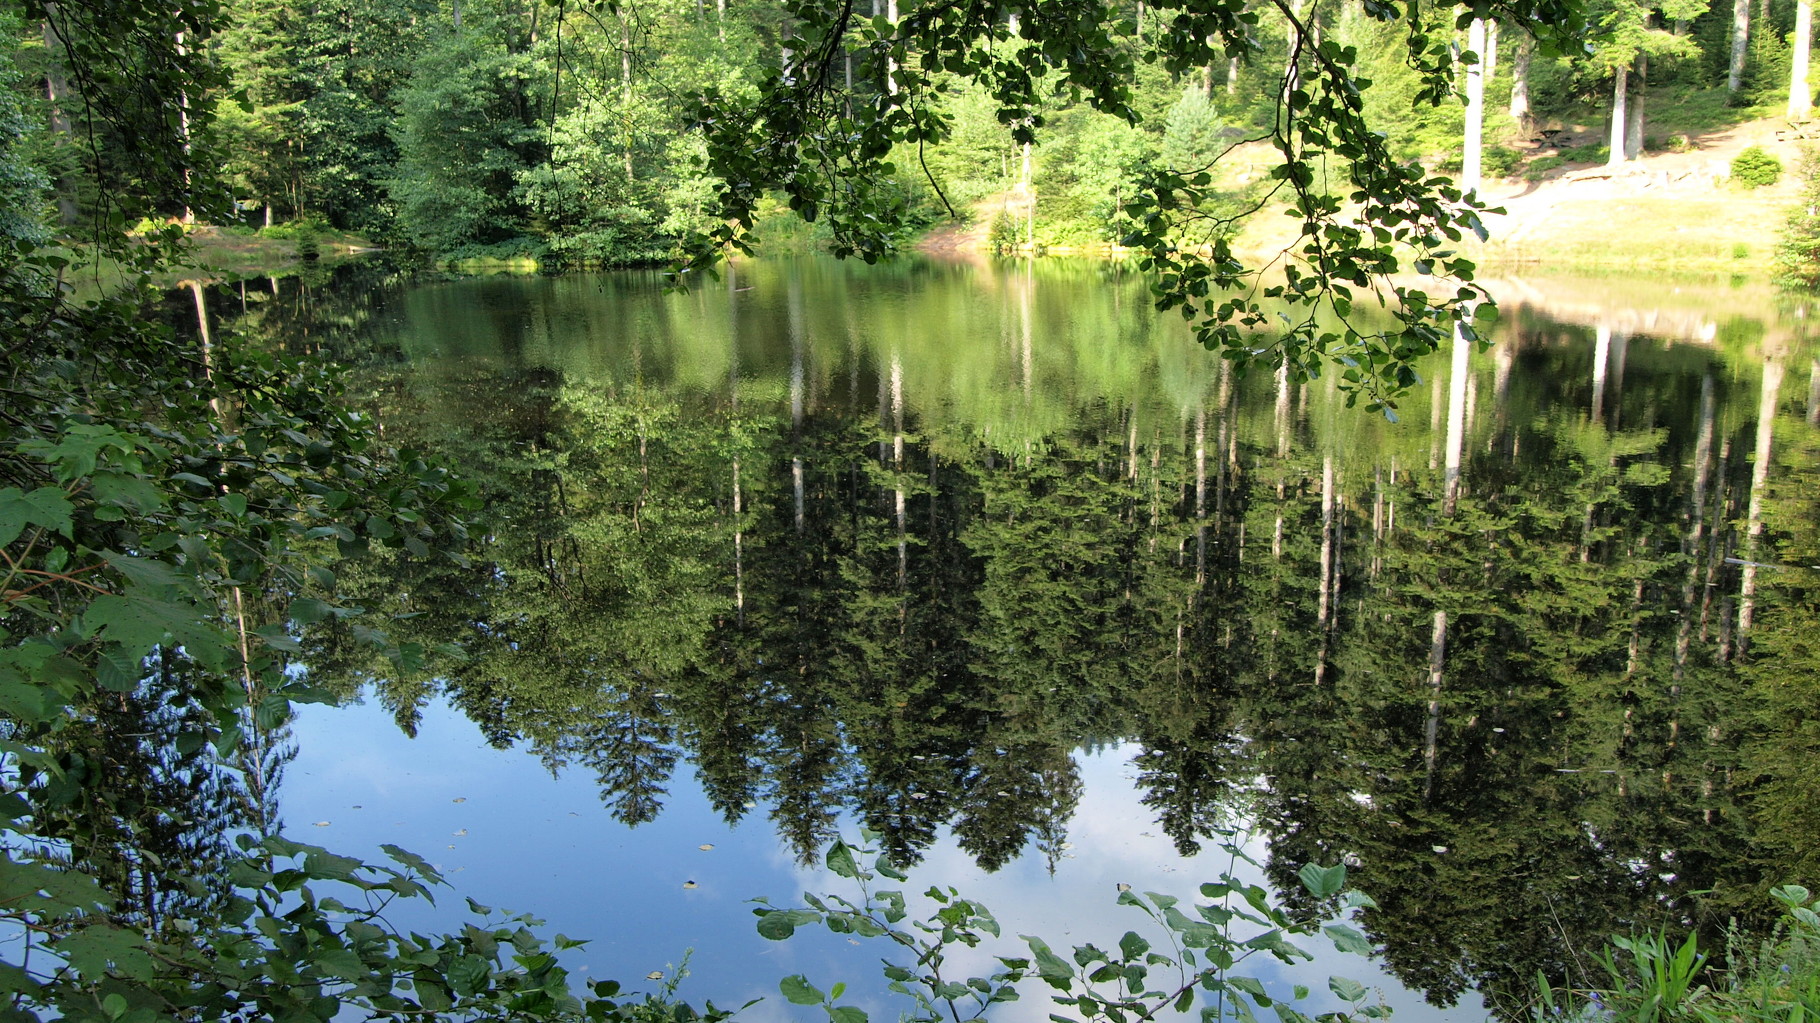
[(1759, 483), (1490, 56), (1475, 111), (1620, 97), (1800, 94), (1633, 128), (1456, 421), (1519, 80), (1734, 76)]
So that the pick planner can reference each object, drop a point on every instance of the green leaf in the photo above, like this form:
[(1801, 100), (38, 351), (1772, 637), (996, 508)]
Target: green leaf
[(799, 991), (1346, 939), (45, 507), (847, 1014), (1323, 882), (1347, 988), (840, 860)]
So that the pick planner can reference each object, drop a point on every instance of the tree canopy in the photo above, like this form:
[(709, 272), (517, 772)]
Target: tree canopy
[(853, 95)]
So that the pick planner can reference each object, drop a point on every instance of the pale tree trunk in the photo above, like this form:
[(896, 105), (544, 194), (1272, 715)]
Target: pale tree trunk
[(1519, 80), (1475, 112), (1633, 128), (739, 509), (1759, 483), (1734, 75), (1330, 575), (1437, 666), (897, 464), (1028, 187), (1601, 359), (1291, 73), (1800, 94), (1620, 99), (183, 133), (1456, 421), (1200, 496), (890, 64), (1232, 76), (1696, 527), (1490, 56), (796, 397)]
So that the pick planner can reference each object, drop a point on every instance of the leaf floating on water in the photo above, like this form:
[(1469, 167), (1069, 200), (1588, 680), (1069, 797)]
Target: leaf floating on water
[(321, 824), (655, 975), (690, 884), (460, 833), (356, 806), (706, 846), (459, 799)]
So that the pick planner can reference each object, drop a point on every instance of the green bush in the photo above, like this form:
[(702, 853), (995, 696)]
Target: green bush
[(1755, 168), (1798, 254), (1501, 161), (1538, 168)]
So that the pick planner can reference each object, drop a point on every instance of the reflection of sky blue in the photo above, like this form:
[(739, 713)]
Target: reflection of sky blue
[(543, 845)]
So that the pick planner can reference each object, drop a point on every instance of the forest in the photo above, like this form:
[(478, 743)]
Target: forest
[(569, 133), (194, 526)]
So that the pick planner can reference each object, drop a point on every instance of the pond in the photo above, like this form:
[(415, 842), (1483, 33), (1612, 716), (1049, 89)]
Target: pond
[(993, 561)]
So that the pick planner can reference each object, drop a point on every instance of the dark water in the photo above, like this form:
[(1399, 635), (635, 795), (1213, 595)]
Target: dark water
[(996, 563)]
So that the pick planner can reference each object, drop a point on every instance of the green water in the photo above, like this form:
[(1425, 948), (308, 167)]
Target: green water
[(819, 545)]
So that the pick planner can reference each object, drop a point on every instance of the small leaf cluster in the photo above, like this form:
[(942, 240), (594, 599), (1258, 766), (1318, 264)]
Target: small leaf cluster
[(1195, 951)]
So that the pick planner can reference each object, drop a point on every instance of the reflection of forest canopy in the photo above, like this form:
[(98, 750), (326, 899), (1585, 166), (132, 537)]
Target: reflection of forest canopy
[(833, 593)]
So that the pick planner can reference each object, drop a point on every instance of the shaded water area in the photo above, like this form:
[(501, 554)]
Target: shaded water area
[(984, 559)]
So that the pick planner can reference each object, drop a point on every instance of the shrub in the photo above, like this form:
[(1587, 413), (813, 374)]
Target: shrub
[(1798, 255), (1754, 168), (1501, 161)]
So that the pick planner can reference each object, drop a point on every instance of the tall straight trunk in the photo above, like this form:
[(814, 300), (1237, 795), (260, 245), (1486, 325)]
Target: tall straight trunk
[(1519, 79), (1696, 527), (897, 464), (1490, 56), (1232, 76), (1759, 483), (57, 93), (1601, 359), (625, 84), (1800, 94), (1324, 617), (1633, 125), (890, 63), (1291, 73), (795, 301), (1200, 496), (1734, 75), (1620, 99), (1437, 666), (1813, 393), (739, 508), (1456, 421), (720, 19), (1475, 111)]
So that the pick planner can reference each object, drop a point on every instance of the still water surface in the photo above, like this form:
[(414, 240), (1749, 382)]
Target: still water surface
[(995, 562)]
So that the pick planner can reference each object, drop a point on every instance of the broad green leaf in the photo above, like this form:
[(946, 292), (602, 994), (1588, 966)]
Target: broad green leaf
[(840, 860), (799, 991), (1323, 882), (1347, 939), (1347, 988)]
